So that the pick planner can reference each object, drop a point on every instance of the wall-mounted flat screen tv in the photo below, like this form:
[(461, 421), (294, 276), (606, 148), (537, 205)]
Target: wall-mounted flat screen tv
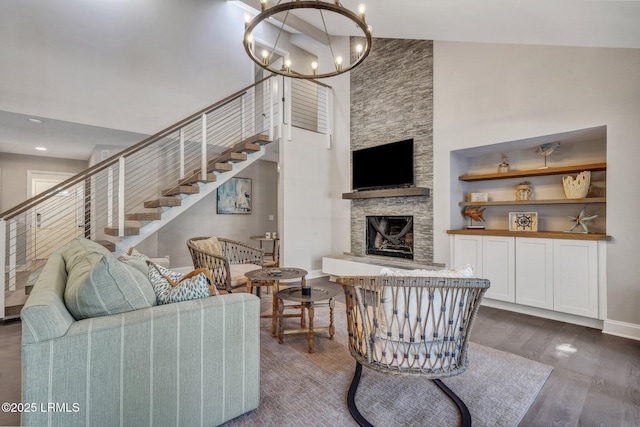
[(383, 166)]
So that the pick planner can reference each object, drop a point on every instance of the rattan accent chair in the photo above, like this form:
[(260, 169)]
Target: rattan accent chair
[(228, 267), (411, 326)]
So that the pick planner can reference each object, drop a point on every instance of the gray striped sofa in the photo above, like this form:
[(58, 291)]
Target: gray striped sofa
[(191, 363)]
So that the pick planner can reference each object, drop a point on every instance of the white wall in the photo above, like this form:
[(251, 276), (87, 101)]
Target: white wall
[(314, 172), (202, 220), (14, 167), (491, 93), (305, 179), (340, 156), (75, 62)]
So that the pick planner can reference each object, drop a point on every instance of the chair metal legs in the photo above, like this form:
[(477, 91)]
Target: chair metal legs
[(351, 398), (362, 421), (462, 408)]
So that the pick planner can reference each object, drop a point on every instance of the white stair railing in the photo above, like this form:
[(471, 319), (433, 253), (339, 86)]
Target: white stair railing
[(99, 202)]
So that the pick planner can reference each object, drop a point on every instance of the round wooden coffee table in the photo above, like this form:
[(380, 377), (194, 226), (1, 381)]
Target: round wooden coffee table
[(307, 299), (267, 277)]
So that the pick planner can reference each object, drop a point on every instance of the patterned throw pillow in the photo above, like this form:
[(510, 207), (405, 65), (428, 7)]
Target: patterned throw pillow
[(211, 245), (171, 286)]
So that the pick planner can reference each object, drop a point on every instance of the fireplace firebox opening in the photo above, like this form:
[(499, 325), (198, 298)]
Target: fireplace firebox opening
[(390, 236)]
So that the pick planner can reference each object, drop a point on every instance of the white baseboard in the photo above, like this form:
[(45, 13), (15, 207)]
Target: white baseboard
[(314, 274), (547, 314), (622, 329), (610, 327)]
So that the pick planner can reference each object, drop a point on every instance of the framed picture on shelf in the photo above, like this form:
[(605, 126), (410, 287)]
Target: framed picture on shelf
[(523, 221), (234, 197), (478, 197)]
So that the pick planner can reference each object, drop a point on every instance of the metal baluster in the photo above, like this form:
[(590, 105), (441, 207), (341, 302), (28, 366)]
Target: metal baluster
[(181, 153), (121, 196), (204, 146)]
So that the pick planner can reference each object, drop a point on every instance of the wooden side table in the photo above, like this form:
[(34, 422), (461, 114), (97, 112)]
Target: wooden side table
[(273, 242), (309, 302), (266, 277)]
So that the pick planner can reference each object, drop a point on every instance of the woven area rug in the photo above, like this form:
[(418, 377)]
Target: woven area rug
[(299, 388)]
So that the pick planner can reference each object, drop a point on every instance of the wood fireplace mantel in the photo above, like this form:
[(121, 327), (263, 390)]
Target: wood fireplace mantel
[(390, 192)]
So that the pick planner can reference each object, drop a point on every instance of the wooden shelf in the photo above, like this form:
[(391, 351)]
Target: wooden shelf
[(536, 202), (535, 172), (392, 192), (543, 234)]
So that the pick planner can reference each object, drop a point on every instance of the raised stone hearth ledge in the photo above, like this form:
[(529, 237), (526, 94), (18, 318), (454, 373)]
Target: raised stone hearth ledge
[(389, 192), (349, 265)]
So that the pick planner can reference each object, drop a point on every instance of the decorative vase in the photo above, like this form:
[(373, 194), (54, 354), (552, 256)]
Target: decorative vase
[(578, 187), (524, 191)]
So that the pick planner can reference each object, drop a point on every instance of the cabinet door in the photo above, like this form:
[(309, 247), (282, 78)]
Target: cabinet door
[(498, 265), (575, 277), (468, 250), (534, 272)]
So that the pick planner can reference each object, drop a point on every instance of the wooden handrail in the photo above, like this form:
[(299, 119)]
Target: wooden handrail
[(27, 204)]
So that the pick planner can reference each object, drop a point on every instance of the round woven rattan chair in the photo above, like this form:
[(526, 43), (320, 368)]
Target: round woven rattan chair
[(229, 265), (411, 326)]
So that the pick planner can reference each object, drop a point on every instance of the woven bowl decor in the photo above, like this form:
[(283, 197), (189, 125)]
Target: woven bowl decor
[(578, 187)]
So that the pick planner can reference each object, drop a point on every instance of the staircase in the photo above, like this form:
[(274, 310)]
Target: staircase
[(126, 198), (193, 185)]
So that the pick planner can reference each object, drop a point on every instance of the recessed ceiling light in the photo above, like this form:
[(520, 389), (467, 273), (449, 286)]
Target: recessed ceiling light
[(34, 120), (41, 149)]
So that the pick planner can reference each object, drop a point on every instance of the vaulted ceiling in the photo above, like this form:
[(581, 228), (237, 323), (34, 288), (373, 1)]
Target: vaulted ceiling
[(85, 34)]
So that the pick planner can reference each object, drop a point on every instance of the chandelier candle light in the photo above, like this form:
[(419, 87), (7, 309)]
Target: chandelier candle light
[(288, 68)]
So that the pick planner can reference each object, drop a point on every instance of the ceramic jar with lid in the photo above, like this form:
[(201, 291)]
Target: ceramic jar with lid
[(524, 191)]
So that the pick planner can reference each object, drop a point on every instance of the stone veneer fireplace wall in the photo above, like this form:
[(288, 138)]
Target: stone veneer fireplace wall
[(392, 100)]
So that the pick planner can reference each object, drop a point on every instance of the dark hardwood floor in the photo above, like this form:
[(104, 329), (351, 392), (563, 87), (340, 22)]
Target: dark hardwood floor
[(596, 377), (595, 382), (10, 335)]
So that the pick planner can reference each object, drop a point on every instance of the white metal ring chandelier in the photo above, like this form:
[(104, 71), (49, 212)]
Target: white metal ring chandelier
[(287, 68)]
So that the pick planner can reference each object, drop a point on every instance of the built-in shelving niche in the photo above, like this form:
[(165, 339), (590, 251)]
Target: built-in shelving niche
[(476, 170)]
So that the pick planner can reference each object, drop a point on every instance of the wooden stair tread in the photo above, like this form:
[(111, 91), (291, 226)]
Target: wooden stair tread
[(222, 167), (258, 139), (216, 167), (128, 231), (181, 189), (144, 216), (232, 156), (164, 201), (197, 177), (246, 147)]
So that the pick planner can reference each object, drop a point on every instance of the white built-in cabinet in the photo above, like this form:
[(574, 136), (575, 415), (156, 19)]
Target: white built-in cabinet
[(575, 277), (493, 258), (554, 269), (553, 274), (534, 272)]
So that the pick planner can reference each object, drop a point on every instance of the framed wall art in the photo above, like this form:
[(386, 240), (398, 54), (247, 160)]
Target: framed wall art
[(234, 197), (523, 221)]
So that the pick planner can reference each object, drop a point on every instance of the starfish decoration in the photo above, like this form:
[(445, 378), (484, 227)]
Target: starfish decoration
[(581, 220)]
